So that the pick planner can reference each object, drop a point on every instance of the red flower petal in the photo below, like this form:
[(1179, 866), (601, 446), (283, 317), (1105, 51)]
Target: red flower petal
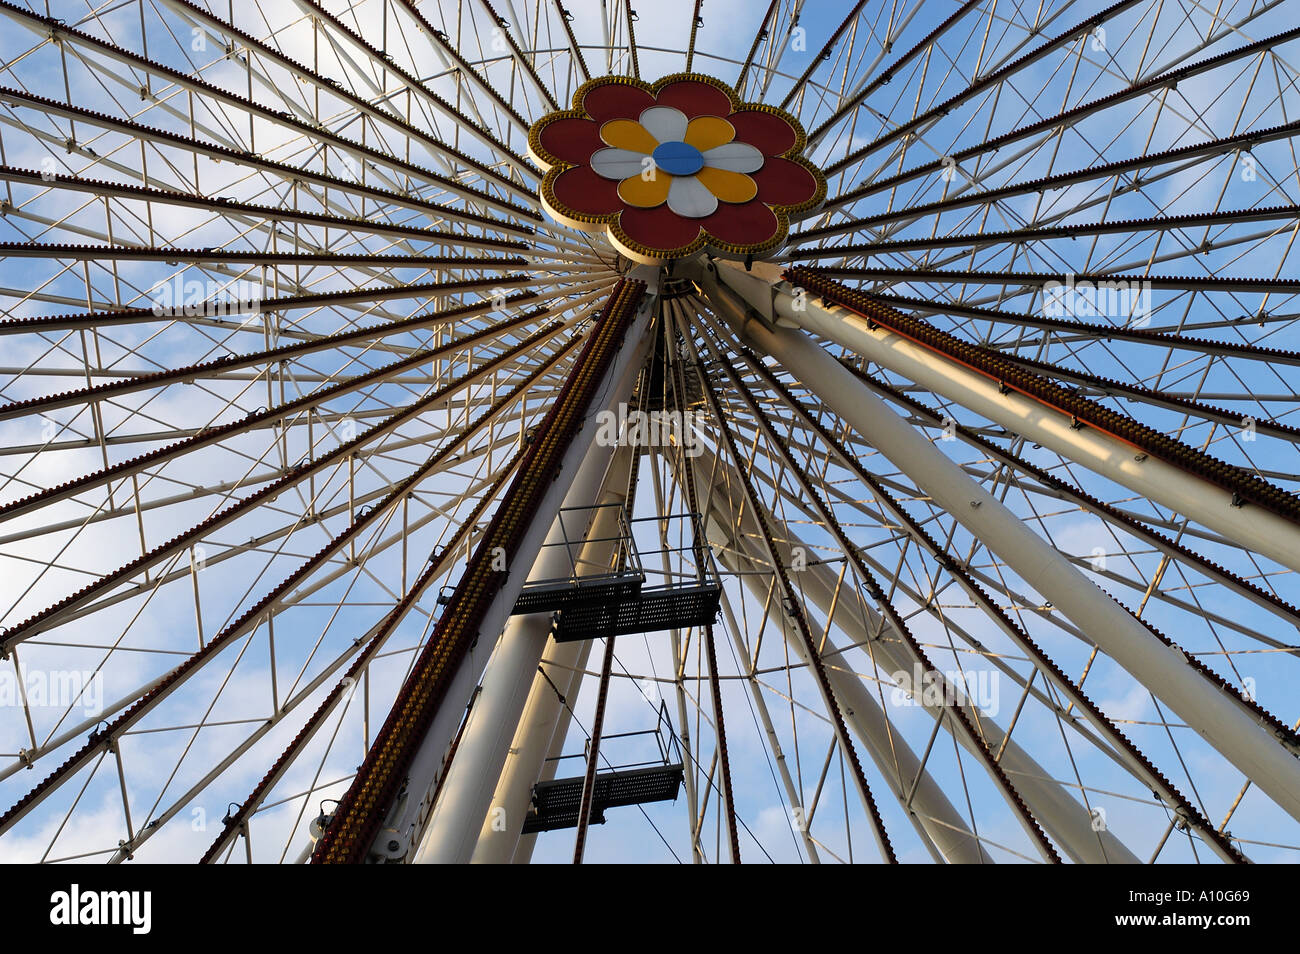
[(573, 140), (659, 228), (748, 223), (782, 182), (582, 190), (616, 101), (694, 98), (770, 135)]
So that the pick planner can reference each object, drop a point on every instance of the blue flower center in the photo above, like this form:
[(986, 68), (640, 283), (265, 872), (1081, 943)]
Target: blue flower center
[(678, 158)]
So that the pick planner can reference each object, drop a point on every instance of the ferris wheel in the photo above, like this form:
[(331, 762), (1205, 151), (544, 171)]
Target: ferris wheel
[(695, 431)]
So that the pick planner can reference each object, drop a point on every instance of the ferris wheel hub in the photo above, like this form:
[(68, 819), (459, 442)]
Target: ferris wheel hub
[(676, 168)]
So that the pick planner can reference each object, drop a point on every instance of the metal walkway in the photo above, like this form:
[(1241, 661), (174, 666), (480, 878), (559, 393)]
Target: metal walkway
[(557, 803), (593, 602)]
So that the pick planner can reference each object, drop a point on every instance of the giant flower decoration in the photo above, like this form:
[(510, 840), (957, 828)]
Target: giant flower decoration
[(674, 167)]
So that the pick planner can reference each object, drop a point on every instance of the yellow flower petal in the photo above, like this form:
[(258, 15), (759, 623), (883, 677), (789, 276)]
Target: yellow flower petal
[(645, 193), (628, 134), (728, 186), (706, 132)]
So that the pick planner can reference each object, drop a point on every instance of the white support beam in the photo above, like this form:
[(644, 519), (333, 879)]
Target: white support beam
[(1065, 820), (510, 767), (466, 793), (1226, 723), (1254, 528), (462, 813), (524, 847), (539, 737)]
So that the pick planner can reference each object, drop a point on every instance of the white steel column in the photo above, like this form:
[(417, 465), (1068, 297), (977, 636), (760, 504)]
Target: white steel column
[(1061, 815), (1222, 719), (542, 710), (1064, 819), (552, 749), (1211, 506), (458, 815)]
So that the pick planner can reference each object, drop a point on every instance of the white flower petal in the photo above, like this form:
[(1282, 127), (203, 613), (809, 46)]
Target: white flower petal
[(688, 197), (664, 123), (619, 164), (734, 157)]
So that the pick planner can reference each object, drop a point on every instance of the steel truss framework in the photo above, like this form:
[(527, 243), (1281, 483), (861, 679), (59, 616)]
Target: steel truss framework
[(996, 460)]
